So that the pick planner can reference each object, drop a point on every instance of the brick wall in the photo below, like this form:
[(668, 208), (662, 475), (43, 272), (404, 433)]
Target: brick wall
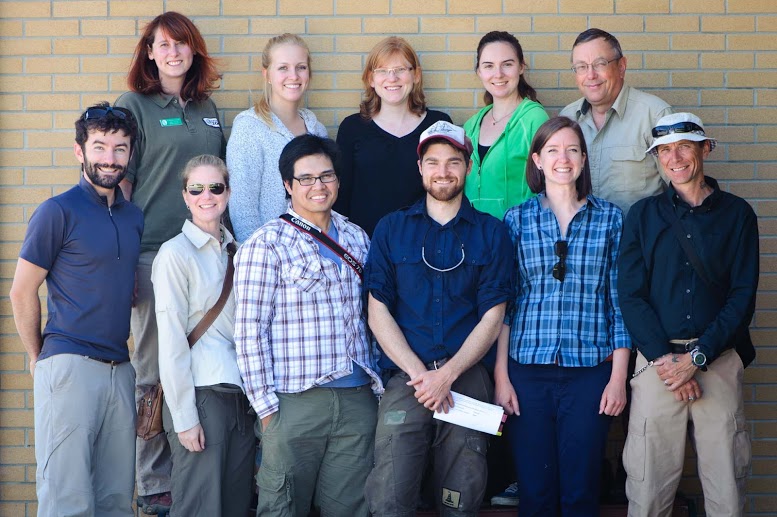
[(717, 58)]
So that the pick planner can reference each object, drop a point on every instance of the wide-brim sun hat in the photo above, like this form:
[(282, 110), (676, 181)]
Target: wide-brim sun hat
[(679, 126)]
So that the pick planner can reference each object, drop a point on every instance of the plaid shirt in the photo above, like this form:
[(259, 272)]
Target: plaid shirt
[(578, 321), (299, 321)]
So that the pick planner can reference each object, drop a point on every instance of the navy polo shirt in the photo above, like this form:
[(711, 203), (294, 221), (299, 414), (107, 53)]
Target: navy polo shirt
[(437, 310), (90, 251)]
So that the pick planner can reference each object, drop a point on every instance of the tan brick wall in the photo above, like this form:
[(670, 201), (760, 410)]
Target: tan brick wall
[(717, 58)]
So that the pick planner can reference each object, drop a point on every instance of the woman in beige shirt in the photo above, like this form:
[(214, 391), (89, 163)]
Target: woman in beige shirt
[(206, 411)]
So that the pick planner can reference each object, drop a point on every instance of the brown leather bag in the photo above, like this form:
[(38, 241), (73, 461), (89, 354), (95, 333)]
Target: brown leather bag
[(150, 404)]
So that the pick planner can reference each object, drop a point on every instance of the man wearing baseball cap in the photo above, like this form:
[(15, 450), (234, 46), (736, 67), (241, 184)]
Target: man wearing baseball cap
[(688, 274), (438, 276)]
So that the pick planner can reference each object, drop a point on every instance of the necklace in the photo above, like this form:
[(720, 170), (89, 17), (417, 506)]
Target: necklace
[(502, 118)]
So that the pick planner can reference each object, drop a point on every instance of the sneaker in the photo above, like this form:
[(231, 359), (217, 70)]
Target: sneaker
[(156, 504), (507, 498)]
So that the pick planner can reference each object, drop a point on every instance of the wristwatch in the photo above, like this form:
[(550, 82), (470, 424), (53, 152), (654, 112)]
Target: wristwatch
[(699, 359)]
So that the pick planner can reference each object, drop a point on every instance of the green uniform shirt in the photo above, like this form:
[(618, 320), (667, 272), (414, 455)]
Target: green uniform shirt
[(168, 137), (499, 183)]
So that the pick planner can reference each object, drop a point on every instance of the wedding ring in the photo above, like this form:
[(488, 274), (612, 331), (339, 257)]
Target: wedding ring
[(691, 399)]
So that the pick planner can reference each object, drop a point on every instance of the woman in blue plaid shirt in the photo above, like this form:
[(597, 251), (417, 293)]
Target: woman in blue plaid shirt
[(563, 352)]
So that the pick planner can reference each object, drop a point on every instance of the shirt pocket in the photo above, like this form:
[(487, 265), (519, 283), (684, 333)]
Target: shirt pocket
[(631, 168), (411, 275), (307, 277), (464, 281)]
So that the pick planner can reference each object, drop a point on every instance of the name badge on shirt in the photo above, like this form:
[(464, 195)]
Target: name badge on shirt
[(212, 122), (168, 122)]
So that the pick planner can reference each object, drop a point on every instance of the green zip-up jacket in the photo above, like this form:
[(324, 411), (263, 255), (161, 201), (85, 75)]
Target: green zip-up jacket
[(499, 182)]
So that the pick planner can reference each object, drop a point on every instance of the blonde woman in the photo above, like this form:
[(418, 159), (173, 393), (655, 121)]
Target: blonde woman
[(379, 159), (259, 135)]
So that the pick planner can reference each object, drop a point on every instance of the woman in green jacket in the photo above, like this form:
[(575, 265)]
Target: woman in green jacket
[(502, 132)]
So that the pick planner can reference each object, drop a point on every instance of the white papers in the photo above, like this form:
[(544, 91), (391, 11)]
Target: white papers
[(474, 414)]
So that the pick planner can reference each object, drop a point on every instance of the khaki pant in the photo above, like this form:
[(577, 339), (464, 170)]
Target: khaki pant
[(655, 446), (408, 437), (152, 460), (317, 450), (218, 481), (84, 437)]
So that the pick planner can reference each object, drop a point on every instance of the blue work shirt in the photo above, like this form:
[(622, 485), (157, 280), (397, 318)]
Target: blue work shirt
[(437, 310), (90, 251)]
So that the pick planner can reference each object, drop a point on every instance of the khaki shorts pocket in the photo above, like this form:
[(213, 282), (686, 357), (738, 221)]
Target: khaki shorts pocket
[(742, 447), (635, 449)]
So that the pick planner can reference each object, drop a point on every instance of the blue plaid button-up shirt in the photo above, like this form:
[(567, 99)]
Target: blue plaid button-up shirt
[(576, 322)]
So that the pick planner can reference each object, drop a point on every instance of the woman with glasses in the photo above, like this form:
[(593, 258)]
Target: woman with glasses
[(562, 360), (171, 79), (259, 134), (205, 414), (501, 132), (379, 159)]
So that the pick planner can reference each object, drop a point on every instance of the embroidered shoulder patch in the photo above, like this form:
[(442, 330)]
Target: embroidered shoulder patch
[(212, 122)]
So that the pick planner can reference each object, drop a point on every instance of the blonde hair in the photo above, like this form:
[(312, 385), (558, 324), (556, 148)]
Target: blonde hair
[(203, 160), (262, 106), (381, 52)]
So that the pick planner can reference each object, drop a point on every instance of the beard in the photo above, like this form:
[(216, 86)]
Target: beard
[(443, 194), (94, 175)]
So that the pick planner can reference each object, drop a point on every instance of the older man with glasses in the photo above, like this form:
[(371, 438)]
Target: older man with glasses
[(616, 121), (85, 245), (687, 286), (439, 274)]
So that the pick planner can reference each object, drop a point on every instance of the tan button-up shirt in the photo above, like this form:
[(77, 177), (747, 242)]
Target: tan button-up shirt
[(621, 172)]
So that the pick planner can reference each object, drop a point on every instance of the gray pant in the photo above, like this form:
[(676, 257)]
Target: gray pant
[(153, 462), (84, 437), (405, 436), (219, 480), (317, 450)]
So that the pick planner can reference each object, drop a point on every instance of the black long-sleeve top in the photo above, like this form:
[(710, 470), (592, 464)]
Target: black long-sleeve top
[(661, 295), (379, 171)]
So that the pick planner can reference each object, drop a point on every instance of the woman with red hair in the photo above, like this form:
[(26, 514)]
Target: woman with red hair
[(170, 81)]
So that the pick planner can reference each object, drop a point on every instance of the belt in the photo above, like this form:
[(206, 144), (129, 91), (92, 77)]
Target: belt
[(437, 363), (682, 346), (112, 363)]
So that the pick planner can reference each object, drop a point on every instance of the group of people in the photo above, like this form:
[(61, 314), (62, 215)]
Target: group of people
[(516, 260)]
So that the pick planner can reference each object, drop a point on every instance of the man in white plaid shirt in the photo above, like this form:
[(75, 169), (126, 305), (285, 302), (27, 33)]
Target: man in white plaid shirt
[(302, 343)]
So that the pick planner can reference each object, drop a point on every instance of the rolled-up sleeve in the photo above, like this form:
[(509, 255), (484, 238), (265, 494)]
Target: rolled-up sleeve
[(257, 273), (380, 277), (497, 278)]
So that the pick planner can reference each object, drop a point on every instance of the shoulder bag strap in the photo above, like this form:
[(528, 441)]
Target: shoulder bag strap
[(326, 241), (690, 252), (214, 311)]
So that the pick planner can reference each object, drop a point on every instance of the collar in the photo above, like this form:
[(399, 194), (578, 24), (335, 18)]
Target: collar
[(706, 205), (88, 188), (466, 210), (200, 238), (619, 106), (307, 117), (591, 202), (162, 99)]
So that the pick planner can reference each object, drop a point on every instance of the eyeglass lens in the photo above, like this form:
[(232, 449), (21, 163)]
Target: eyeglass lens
[(93, 113), (560, 268), (195, 189), (680, 127)]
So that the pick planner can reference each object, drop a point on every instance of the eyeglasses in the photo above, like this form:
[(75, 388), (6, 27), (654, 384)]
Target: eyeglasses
[(309, 181), (599, 65), (680, 127), (397, 71), (443, 270), (195, 189), (560, 268), (96, 113)]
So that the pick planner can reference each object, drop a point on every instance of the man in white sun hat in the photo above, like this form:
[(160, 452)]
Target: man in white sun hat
[(688, 274)]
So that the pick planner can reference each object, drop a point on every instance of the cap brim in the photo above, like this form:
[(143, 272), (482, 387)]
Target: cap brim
[(453, 142), (676, 137)]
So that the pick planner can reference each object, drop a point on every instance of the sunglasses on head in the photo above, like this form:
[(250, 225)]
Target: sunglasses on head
[(680, 127), (560, 268), (195, 189), (97, 113)]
